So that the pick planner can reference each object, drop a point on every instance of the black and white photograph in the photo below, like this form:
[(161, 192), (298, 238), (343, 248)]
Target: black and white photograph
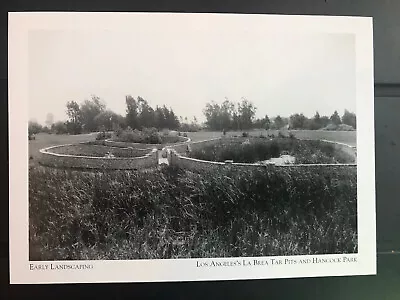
[(218, 141)]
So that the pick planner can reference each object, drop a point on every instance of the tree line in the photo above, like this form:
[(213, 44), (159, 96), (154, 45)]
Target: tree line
[(241, 116), (93, 115)]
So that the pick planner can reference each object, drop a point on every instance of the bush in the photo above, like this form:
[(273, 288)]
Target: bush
[(245, 134), (330, 127), (345, 127), (146, 136), (340, 127), (59, 128), (151, 136), (291, 135), (103, 135)]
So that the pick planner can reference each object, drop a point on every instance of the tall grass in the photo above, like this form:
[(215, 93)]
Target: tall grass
[(172, 213), (259, 149)]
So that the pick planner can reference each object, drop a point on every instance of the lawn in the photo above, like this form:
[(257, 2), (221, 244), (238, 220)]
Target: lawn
[(43, 140), (347, 137)]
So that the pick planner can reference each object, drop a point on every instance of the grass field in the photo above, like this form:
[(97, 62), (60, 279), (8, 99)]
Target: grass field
[(347, 137), (172, 213), (43, 140)]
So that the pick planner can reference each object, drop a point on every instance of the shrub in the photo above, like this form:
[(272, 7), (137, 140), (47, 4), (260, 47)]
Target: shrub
[(151, 136), (281, 135), (131, 136), (146, 136), (103, 135), (291, 135), (330, 127), (185, 134), (117, 129), (245, 134), (345, 127)]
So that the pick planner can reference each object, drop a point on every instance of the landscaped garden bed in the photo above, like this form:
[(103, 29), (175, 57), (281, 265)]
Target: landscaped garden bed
[(146, 136), (254, 150), (88, 149)]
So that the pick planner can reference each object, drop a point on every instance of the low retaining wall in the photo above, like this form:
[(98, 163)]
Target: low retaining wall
[(47, 158), (195, 165), (183, 147), (349, 150), (138, 145), (177, 157)]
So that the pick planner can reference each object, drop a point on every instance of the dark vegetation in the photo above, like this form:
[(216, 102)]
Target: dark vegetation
[(241, 116), (93, 115), (172, 213), (103, 135), (259, 149), (146, 136)]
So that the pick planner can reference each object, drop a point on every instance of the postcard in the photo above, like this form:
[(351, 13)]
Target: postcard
[(152, 147)]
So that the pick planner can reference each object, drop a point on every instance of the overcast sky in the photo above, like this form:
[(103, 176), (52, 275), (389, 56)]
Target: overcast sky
[(186, 65)]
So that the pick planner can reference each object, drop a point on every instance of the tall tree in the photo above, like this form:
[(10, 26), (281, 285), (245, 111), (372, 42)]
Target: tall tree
[(278, 122), (108, 120), (335, 118), (146, 113), (266, 122), (172, 120), (34, 127), (75, 118), (247, 112), (89, 110), (349, 118), (132, 112), (298, 121), (74, 112), (317, 124), (159, 118), (212, 113)]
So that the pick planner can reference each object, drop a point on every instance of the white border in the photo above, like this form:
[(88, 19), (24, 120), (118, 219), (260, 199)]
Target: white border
[(186, 269)]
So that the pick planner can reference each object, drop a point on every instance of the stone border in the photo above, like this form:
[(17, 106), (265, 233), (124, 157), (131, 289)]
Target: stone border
[(50, 159), (109, 142), (128, 150), (183, 147)]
